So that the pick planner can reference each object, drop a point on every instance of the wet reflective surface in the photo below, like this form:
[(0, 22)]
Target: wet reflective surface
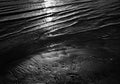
[(59, 41)]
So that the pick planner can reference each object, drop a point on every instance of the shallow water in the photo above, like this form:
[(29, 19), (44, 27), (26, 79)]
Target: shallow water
[(59, 41)]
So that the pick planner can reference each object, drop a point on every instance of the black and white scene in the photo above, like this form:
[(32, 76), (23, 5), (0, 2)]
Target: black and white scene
[(59, 41)]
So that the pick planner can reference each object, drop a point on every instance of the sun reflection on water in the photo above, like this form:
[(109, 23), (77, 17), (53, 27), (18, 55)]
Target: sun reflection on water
[(47, 4)]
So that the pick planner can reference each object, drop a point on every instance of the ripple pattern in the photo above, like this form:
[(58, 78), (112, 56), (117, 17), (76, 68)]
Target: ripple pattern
[(51, 18)]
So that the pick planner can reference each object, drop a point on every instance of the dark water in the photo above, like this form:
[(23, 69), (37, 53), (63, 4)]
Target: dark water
[(59, 41)]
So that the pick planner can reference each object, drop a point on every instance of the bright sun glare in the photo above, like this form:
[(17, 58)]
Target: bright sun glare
[(49, 3)]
